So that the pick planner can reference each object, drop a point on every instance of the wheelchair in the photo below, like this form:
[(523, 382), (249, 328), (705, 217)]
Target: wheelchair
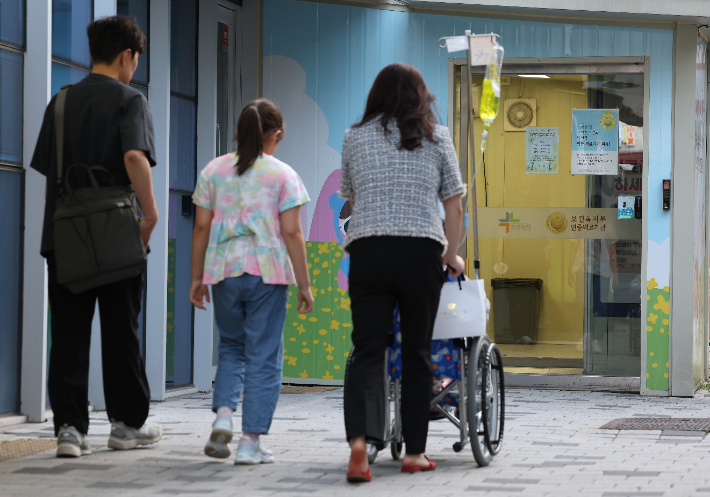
[(473, 400)]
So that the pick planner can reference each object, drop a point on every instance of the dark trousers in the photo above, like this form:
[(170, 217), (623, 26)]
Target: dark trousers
[(125, 384), (384, 271)]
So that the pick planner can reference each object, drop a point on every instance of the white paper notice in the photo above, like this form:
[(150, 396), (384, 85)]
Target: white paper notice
[(481, 50), (542, 150), (595, 141), (456, 44)]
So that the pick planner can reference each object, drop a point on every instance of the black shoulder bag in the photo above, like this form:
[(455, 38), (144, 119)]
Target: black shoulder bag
[(97, 237)]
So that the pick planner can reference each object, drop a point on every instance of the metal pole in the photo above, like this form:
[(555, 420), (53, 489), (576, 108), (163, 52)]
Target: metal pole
[(472, 160)]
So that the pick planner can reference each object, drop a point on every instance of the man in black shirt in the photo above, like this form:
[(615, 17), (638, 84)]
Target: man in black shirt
[(109, 123)]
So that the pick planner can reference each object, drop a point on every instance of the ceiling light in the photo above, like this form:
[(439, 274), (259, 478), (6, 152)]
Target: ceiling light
[(541, 76)]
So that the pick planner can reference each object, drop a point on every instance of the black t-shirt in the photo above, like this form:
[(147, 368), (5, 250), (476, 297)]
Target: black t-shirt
[(103, 119)]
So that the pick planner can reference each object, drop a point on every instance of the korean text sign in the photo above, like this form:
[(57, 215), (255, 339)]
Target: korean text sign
[(541, 150), (595, 141)]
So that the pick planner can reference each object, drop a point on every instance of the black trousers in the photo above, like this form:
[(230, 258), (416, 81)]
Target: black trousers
[(125, 384), (384, 271)]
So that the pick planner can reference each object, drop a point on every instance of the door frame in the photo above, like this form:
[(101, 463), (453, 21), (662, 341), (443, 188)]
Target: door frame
[(579, 65)]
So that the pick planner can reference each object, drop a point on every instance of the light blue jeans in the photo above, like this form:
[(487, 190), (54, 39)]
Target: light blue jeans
[(250, 316)]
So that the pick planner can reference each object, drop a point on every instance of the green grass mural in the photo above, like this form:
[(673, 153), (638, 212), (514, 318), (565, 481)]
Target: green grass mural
[(317, 345), (657, 343)]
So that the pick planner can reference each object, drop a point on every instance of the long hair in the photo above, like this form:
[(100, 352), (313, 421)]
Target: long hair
[(258, 119), (400, 93)]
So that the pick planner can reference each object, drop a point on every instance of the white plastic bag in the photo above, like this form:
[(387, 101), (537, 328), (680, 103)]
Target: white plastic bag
[(462, 310)]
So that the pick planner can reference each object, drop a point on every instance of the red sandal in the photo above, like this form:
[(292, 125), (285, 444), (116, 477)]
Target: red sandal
[(358, 476), (417, 469)]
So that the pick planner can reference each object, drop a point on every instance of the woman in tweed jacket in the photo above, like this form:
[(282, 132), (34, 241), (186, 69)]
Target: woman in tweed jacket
[(397, 164)]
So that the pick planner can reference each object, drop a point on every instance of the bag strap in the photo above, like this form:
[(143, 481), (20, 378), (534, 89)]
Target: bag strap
[(59, 129)]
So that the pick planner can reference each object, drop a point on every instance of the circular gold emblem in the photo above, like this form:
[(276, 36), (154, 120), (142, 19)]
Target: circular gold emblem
[(556, 223), (607, 121)]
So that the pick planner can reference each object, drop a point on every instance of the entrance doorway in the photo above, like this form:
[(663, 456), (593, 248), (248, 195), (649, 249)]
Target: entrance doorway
[(229, 100), (563, 274)]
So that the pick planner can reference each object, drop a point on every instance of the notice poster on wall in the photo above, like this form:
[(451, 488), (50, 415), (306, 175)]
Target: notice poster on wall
[(542, 146), (595, 141)]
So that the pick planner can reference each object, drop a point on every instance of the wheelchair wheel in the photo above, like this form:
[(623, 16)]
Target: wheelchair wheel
[(493, 400), (474, 375)]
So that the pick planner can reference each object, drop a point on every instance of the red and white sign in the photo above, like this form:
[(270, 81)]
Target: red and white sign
[(225, 37)]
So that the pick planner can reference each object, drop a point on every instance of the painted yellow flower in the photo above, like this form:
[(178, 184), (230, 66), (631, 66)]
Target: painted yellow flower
[(662, 305), (330, 349), (652, 318), (652, 284), (328, 376), (301, 330), (323, 248), (304, 374), (292, 361), (334, 324), (344, 304), (323, 332)]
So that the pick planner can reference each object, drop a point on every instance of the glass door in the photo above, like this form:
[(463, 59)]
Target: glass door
[(562, 272), (183, 170)]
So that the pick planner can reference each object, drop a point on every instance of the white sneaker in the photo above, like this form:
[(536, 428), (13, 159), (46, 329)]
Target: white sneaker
[(124, 437), (71, 443), (219, 438), (250, 452)]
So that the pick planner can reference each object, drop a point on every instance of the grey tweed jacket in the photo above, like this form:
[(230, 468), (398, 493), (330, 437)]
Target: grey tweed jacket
[(396, 192)]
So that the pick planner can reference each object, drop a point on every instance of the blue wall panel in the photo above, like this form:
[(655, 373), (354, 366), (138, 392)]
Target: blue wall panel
[(10, 245)]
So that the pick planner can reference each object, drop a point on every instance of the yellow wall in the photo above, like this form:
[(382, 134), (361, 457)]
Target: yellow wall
[(559, 263)]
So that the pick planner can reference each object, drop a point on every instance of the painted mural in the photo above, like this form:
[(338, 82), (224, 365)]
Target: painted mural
[(170, 324), (657, 326), (320, 61)]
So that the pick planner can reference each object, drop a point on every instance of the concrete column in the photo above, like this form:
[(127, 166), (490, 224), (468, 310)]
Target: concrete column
[(157, 300), (206, 139), (37, 80), (683, 212)]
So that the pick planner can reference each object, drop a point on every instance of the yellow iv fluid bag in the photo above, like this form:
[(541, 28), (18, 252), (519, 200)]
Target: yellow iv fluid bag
[(490, 93)]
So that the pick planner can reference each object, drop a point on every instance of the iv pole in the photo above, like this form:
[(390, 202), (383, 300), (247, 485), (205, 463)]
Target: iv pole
[(471, 159)]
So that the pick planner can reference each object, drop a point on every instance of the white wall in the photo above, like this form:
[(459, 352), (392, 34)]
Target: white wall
[(157, 299)]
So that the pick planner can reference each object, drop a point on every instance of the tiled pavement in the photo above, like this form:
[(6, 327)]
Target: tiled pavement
[(553, 446)]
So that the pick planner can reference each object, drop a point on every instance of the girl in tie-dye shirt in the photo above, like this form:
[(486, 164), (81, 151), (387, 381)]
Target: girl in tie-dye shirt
[(248, 244)]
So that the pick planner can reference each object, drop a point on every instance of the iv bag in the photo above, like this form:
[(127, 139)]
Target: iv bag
[(490, 93)]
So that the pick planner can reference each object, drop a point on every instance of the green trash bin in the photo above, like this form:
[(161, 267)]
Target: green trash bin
[(515, 309)]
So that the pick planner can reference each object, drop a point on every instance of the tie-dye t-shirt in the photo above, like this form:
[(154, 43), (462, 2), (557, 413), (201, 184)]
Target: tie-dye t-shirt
[(246, 231)]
